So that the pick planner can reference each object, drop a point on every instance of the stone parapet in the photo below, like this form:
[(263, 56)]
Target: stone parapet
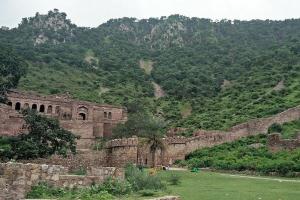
[(124, 142), (16, 179), (275, 143)]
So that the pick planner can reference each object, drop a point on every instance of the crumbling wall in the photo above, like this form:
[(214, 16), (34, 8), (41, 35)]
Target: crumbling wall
[(16, 179), (119, 152), (83, 159), (275, 143)]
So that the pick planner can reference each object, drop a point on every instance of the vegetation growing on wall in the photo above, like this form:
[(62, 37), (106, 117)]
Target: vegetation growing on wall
[(246, 154), (45, 138)]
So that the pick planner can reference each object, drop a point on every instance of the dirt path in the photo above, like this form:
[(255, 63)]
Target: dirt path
[(262, 178)]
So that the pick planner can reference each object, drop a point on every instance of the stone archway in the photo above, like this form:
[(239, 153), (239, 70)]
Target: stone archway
[(82, 113)]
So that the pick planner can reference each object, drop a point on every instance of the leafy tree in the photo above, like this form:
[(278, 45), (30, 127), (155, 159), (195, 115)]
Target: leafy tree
[(142, 125), (153, 136), (45, 138), (12, 67)]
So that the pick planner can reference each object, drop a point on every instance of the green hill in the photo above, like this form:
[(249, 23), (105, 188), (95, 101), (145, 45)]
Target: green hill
[(213, 74)]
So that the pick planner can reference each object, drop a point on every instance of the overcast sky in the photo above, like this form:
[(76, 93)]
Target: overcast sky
[(94, 12)]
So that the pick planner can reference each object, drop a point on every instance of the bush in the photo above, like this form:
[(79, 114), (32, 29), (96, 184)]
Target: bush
[(275, 128), (174, 179), (45, 138), (116, 186), (239, 156), (147, 193), (140, 180)]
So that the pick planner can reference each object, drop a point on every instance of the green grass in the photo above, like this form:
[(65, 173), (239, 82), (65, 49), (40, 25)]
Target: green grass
[(214, 186), (290, 129)]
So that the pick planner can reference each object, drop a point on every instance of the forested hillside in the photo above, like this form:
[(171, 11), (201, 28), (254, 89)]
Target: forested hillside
[(213, 74)]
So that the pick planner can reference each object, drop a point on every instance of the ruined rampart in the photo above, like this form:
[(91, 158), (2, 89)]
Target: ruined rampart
[(276, 143), (16, 179), (119, 152), (123, 151)]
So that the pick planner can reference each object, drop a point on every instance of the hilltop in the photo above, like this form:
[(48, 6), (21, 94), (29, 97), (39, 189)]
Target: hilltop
[(210, 74)]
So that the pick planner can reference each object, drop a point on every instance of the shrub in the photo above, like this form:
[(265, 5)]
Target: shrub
[(174, 179), (239, 156), (147, 193), (116, 186), (275, 128), (140, 180)]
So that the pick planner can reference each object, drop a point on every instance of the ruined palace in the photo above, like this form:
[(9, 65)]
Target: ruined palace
[(86, 119)]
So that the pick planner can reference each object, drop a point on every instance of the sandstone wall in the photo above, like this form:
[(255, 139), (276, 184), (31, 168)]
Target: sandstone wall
[(119, 152), (87, 119), (275, 143), (16, 179), (84, 159)]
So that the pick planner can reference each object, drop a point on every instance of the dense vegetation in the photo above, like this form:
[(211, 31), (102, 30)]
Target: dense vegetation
[(215, 74), (12, 67), (287, 130), (44, 138), (136, 181), (246, 154)]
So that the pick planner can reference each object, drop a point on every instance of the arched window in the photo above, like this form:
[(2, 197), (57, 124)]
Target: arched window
[(81, 116), (34, 107), (49, 110), (82, 113), (18, 106), (26, 106), (9, 103), (109, 115), (57, 109), (42, 108), (105, 114)]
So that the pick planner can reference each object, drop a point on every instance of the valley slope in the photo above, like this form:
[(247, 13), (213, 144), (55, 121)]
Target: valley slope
[(214, 74)]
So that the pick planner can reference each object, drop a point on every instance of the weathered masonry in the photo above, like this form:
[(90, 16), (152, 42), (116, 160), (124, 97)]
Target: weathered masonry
[(86, 119)]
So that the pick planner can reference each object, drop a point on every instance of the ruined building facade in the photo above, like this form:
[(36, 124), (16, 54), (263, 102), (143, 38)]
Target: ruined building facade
[(86, 119)]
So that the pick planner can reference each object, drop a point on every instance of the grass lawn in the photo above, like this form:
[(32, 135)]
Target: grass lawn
[(215, 186)]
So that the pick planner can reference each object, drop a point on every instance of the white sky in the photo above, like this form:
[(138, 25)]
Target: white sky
[(94, 12)]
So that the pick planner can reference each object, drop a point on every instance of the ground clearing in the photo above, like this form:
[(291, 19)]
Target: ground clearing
[(212, 186)]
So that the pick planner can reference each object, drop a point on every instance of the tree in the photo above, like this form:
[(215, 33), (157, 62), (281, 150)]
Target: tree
[(45, 138), (12, 67), (153, 134), (143, 125)]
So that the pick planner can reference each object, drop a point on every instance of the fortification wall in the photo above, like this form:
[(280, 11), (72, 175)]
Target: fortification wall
[(275, 143), (16, 179), (11, 122), (83, 159), (119, 152)]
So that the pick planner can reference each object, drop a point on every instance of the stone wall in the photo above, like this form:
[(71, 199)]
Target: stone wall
[(275, 143), (177, 147), (83, 159), (16, 179), (87, 119), (11, 122), (119, 152)]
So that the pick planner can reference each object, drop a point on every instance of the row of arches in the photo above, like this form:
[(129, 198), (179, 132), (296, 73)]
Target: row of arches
[(41, 108)]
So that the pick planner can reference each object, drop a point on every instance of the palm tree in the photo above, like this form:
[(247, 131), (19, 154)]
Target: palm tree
[(153, 137)]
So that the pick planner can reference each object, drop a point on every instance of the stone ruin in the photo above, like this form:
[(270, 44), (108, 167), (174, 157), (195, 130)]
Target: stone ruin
[(276, 143), (91, 120), (16, 179), (86, 119)]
